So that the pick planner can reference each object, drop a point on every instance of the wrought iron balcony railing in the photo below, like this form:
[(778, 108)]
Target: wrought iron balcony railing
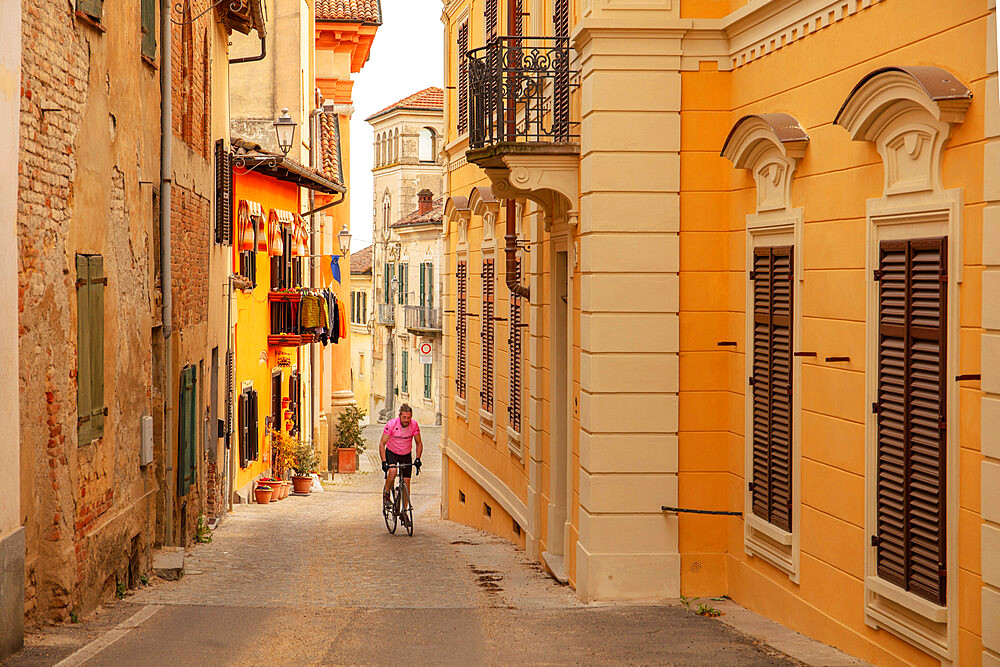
[(420, 318), (519, 90), (387, 314)]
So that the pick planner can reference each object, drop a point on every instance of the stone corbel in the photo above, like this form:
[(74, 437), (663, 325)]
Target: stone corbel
[(551, 181)]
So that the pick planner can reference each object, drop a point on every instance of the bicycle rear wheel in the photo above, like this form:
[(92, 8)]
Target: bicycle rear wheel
[(389, 513), (406, 510)]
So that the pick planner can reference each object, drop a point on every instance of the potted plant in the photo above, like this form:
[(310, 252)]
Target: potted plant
[(350, 443), (304, 463), (283, 448), (262, 494)]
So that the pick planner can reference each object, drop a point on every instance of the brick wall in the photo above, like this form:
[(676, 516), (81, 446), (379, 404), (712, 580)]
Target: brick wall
[(192, 85), (191, 228)]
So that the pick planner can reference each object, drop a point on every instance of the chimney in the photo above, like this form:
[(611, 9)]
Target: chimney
[(425, 201)]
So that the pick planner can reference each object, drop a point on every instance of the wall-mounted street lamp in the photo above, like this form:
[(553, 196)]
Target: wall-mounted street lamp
[(345, 240), (284, 127)]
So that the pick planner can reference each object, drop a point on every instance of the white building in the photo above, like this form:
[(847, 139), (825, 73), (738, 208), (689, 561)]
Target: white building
[(407, 260)]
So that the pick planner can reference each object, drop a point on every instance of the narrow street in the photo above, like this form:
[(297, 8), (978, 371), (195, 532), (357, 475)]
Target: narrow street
[(318, 580)]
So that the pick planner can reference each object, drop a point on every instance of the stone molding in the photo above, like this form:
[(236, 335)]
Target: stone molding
[(769, 146), (492, 484), (551, 181)]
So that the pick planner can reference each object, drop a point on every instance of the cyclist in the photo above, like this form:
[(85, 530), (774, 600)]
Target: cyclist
[(396, 446)]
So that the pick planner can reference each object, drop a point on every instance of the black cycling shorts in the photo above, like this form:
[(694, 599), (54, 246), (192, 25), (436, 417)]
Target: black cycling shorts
[(392, 457)]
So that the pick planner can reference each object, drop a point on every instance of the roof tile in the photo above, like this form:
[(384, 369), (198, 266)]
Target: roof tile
[(365, 11), (361, 261), (431, 99)]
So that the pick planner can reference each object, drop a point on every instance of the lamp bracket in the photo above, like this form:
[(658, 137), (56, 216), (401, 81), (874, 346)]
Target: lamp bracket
[(234, 5)]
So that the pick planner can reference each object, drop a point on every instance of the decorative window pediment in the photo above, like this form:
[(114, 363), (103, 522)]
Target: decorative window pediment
[(457, 208), (769, 146), (484, 203), (907, 112)]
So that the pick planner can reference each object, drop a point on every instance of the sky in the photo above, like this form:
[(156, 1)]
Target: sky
[(407, 56)]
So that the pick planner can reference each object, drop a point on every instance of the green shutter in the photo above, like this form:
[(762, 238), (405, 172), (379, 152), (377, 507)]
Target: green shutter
[(405, 372), (423, 285), (95, 323), (430, 285), (388, 283), (399, 278), (92, 8), (187, 445), (427, 380), (148, 18), (83, 347)]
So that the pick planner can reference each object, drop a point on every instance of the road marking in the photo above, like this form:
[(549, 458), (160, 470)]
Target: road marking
[(87, 652)]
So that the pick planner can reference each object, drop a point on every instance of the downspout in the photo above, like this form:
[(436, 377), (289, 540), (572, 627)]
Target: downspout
[(314, 397), (166, 285), (510, 238), (252, 59)]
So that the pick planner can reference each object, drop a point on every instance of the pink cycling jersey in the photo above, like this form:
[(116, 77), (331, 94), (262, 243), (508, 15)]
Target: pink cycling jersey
[(400, 439)]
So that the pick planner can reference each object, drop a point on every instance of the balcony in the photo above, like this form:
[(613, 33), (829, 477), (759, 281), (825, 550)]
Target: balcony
[(284, 312), (422, 320), (386, 314), (520, 127)]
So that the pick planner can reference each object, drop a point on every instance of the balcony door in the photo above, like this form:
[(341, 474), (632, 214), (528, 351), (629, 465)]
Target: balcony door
[(560, 442)]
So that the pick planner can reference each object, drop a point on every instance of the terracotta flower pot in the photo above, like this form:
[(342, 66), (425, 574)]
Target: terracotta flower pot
[(301, 484), (347, 459), (262, 494), (286, 488)]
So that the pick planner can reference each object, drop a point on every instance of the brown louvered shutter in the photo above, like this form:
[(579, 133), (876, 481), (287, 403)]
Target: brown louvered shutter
[(518, 17), (560, 91), (911, 414), (488, 330), (461, 327), (514, 343), (771, 486), (463, 78), (242, 413), (223, 194), (490, 17)]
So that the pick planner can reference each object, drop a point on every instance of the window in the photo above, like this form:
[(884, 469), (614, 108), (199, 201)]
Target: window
[(277, 423), (404, 275), (461, 327), (295, 404), (248, 436), (488, 334), (91, 8), (428, 370), (361, 366), (404, 370), (514, 342), (463, 78), (386, 213), (911, 413), (771, 384), (359, 307), (187, 441), (426, 148), (387, 276), (90, 282), (147, 18)]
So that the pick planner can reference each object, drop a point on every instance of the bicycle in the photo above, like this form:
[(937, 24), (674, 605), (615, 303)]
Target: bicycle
[(399, 503)]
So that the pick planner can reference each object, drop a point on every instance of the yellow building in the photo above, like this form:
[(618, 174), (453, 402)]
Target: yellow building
[(755, 287), (361, 306)]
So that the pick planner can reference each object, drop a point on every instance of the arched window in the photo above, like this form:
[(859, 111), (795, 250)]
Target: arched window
[(386, 212), (378, 143), (395, 145), (426, 145)]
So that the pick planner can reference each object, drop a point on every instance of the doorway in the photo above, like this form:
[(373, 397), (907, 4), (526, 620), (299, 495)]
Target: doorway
[(559, 441)]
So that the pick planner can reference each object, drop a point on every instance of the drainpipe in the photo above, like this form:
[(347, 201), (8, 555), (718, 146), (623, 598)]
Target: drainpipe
[(252, 59), (313, 278), (510, 248), (166, 286)]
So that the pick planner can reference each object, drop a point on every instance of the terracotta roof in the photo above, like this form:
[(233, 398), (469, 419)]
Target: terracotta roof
[(247, 154), (329, 139), (428, 99), (364, 11), (433, 216), (361, 261)]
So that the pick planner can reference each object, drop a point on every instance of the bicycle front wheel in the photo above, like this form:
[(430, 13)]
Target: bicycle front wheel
[(389, 512), (406, 510)]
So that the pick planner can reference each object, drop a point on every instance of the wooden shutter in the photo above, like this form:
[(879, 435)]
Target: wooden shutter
[(187, 436), (427, 380), (771, 486), (92, 8), (400, 279), (514, 345), (90, 347), (243, 415), (148, 22), (488, 329), (387, 274), (276, 419), (560, 90), (423, 286), (405, 372), (223, 194), (518, 29), (490, 18), (430, 285), (463, 78), (461, 327), (254, 425), (911, 416)]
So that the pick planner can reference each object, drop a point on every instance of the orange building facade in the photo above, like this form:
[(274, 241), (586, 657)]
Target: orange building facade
[(758, 240)]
